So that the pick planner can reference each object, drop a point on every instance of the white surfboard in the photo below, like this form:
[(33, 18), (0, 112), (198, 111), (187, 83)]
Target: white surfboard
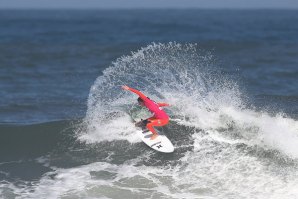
[(161, 143)]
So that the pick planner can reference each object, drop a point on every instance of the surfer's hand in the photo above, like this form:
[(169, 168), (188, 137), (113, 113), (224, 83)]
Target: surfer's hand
[(125, 87)]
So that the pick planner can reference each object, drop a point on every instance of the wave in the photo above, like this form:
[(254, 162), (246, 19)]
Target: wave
[(223, 148)]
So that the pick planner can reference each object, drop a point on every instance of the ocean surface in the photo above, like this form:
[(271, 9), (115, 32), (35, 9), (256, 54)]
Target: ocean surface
[(231, 77)]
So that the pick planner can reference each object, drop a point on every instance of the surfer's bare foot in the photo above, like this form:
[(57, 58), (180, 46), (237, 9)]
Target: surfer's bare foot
[(153, 136)]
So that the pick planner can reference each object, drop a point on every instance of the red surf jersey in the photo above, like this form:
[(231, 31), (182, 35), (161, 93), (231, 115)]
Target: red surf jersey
[(156, 109)]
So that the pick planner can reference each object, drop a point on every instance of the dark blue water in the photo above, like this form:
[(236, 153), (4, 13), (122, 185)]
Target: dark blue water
[(50, 59)]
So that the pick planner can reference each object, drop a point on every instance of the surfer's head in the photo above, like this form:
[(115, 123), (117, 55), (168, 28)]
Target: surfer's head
[(141, 101)]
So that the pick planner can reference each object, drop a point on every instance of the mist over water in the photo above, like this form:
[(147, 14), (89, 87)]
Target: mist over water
[(177, 73), (201, 96)]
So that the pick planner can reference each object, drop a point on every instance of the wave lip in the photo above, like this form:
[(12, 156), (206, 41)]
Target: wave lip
[(173, 72)]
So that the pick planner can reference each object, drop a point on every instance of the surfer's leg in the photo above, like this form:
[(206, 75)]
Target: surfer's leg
[(155, 122), (149, 125)]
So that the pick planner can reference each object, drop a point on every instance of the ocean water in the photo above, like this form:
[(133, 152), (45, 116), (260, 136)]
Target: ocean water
[(231, 77)]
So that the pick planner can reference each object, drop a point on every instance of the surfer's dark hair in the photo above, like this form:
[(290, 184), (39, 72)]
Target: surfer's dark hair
[(140, 100)]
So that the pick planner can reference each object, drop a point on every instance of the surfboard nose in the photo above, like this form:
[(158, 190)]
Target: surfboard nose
[(169, 150), (164, 145)]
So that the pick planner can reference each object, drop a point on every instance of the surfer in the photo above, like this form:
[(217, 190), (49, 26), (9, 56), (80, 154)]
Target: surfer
[(160, 117)]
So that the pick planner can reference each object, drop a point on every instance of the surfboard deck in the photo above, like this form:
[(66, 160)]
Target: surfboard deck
[(161, 143)]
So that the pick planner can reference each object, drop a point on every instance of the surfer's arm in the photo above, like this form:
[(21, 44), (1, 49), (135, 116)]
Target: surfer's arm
[(163, 104), (139, 93)]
